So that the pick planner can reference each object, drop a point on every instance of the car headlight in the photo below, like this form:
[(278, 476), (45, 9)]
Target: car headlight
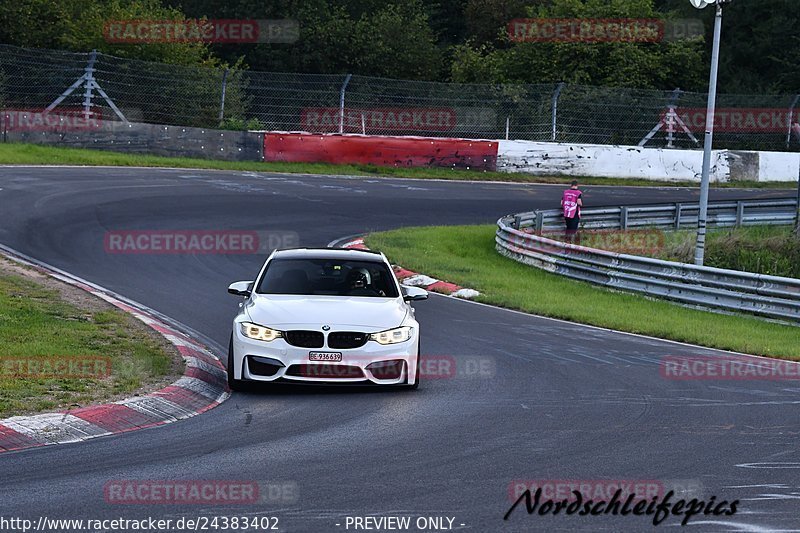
[(261, 333), (392, 336)]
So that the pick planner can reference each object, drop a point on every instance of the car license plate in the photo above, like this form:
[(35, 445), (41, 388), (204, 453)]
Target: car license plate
[(325, 356)]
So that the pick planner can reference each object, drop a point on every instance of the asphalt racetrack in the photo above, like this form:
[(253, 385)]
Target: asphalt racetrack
[(555, 401)]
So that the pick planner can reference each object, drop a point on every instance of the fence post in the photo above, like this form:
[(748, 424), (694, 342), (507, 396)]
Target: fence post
[(669, 120), (88, 92), (556, 94), (789, 117), (91, 84), (222, 100), (671, 114), (508, 126), (341, 102)]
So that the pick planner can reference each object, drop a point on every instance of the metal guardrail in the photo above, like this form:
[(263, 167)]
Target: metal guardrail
[(678, 215), (712, 288)]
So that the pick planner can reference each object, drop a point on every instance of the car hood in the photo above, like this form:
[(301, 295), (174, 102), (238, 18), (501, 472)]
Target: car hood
[(338, 312)]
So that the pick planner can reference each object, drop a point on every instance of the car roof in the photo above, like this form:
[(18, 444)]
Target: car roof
[(330, 253)]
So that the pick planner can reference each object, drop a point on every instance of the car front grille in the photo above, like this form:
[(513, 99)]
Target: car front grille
[(347, 339), (324, 371), (305, 339)]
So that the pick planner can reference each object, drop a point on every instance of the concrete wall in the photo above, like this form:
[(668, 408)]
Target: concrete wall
[(777, 166), (544, 158), (386, 151), (151, 139), (538, 158)]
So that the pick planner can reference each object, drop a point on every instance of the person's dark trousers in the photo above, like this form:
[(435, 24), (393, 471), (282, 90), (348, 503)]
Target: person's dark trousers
[(571, 234)]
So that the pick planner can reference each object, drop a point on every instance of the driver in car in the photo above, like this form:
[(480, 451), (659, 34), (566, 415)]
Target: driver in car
[(360, 283)]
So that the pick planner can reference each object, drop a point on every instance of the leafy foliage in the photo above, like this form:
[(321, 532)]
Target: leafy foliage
[(442, 40), (618, 64), (77, 25)]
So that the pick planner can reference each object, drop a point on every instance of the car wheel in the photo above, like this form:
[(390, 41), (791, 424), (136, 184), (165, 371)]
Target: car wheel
[(233, 384), (416, 370)]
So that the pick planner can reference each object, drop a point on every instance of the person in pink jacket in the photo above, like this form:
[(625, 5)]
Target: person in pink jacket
[(571, 204)]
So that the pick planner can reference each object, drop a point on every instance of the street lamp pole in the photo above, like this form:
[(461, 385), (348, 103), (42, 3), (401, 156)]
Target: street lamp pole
[(699, 251), (796, 130)]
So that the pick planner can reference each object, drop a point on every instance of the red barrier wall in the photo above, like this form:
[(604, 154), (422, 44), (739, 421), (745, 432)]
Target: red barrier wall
[(381, 151)]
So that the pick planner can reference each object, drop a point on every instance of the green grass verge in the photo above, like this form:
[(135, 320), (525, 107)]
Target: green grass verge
[(40, 329), (773, 250), (33, 154), (466, 255)]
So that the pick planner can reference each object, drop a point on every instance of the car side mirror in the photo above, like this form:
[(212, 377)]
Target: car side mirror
[(413, 294), (241, 288)]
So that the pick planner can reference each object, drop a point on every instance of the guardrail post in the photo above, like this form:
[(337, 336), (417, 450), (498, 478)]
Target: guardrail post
[(623, 217), (678, 213), (539, 221), (517, 222), (739, 213)]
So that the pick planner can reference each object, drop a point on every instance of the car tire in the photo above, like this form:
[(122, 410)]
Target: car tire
[(416, 381), (233, 384)]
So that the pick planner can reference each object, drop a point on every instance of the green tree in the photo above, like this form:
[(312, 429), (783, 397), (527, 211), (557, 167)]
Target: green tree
[(623, 64), (396, 42), (486, 20), (760, 47), (165, 83), (369, 37), (77, 25)]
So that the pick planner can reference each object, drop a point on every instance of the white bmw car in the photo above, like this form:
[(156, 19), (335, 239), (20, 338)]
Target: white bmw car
[(325, 315)]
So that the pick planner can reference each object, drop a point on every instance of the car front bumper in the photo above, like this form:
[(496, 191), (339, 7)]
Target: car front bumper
[(254, 359)]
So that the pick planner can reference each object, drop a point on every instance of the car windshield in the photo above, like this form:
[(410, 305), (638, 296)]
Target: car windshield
[(329, 277)]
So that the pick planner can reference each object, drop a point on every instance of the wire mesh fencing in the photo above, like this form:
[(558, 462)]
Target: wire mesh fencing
[(119, 89)]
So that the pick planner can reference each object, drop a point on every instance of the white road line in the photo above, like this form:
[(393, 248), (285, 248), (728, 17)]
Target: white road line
[(779, 466), (741, 526)]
